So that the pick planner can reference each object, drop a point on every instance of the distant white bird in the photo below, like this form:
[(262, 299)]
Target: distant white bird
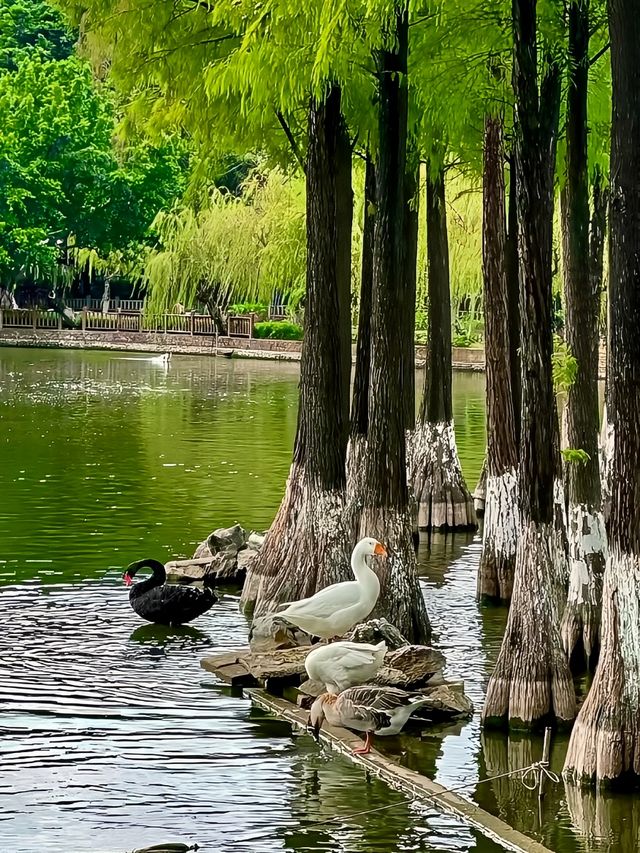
[(343, 664), (374, 710), (163, 359), (336, 609)]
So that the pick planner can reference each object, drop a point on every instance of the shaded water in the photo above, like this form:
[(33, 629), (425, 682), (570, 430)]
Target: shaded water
[(111, 736)]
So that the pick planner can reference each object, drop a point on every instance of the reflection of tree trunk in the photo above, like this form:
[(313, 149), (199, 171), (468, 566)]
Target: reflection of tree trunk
[(531, 682), (385, 509), (497, 564), (444, 501), (605, 741), (602, 821), (306, 547), (360, 399)]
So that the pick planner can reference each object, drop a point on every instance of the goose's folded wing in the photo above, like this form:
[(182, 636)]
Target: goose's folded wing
[(378, 698), (353, 656), (327, 601)]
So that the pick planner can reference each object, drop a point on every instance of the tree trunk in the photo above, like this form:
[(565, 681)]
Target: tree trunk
[(344, 228), (409, 281), (306, 547), (531, 683), (356, 451), (386, 512), (497, 563), (605, 742), (444, 501), (585, 529), (513, 284)]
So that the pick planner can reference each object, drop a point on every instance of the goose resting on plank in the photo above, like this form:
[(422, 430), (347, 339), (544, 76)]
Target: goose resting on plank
[(336, 609), (343, 664), (165, 604), (374, 710)]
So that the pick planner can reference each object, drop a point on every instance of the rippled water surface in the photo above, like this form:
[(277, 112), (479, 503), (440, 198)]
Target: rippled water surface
[(111, 735)]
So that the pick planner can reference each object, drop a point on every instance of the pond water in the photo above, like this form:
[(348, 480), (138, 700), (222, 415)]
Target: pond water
[(111, 735)]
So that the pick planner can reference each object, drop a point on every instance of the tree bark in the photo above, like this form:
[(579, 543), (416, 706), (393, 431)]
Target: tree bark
[(531, 683), (357, 448), (585, 529), (306, 547), (409, 281), (513, 284), (497, 563), (386, 512), (444, 501), (605, 742)]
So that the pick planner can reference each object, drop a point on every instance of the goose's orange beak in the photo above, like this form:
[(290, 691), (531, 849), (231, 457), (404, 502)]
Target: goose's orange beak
[(380, 550)]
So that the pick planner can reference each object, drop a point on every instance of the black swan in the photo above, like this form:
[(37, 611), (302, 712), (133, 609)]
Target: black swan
[(162, 603)]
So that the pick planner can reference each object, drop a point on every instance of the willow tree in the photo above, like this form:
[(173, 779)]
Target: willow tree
[(605, 741), (585, 528), (531, 681), (385, 511), (500, 530)]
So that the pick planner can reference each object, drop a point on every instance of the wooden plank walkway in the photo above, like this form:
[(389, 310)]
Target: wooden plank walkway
[(412, 783)]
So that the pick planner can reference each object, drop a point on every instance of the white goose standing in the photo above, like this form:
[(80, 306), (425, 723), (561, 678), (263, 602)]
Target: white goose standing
[(336, 609)]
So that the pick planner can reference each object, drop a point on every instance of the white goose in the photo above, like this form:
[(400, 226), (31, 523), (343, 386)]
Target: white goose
[(343, 664), (337, 608), (163, 359), (374, 710)]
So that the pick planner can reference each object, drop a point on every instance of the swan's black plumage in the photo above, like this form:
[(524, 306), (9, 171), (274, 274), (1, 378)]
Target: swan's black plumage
[(166, 604)]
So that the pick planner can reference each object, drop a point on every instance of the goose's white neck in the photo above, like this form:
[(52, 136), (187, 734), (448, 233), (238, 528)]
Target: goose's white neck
[(359, 566)]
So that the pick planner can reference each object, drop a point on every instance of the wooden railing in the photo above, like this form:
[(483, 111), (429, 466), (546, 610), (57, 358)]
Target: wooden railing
[(116, 304), (120, 321), (29, 318)]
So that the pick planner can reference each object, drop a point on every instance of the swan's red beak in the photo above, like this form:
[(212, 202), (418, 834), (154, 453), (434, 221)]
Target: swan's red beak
[(380, 550), (128, 580)]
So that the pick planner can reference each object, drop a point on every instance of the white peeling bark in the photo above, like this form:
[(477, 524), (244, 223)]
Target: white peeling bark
[(500, 537), (435, 476), (587, 554), (605, 741), (606, 460), (560, 540), (531, 683), (305, 549)]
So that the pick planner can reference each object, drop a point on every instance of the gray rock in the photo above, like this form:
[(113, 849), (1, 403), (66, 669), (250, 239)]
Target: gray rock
[(227, 539), (376, 630), (255, 541), (269, 633), (244, 559), (410, 667)]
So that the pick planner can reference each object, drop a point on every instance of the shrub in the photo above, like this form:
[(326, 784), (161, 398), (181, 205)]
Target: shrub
[(281, 330), (242, 308)]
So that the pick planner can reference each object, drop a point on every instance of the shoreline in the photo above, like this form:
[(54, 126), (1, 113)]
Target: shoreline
[(186, 344)]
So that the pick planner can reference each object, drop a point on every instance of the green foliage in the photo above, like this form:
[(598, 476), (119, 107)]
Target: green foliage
[(575, 456), (564, 366), (234, 248), (29, 27), (62, 183), (280, 330), (258, 308)]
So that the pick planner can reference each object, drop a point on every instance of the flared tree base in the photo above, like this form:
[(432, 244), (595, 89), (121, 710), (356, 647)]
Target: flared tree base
[(401, 601), (604, 748), (531, 685), (443, 499), (500, 539), (307, 547), (580, 628)]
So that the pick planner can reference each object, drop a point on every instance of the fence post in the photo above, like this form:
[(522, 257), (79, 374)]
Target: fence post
[(165, 323), (193, 322), (1, 317), (252, 318), (84, 319), (34, 318), (59, 322)]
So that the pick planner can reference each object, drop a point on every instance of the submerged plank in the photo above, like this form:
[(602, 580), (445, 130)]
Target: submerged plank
[(343, 741)]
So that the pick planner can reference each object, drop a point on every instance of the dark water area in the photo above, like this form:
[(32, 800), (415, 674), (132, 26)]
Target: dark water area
[(111, 735)]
